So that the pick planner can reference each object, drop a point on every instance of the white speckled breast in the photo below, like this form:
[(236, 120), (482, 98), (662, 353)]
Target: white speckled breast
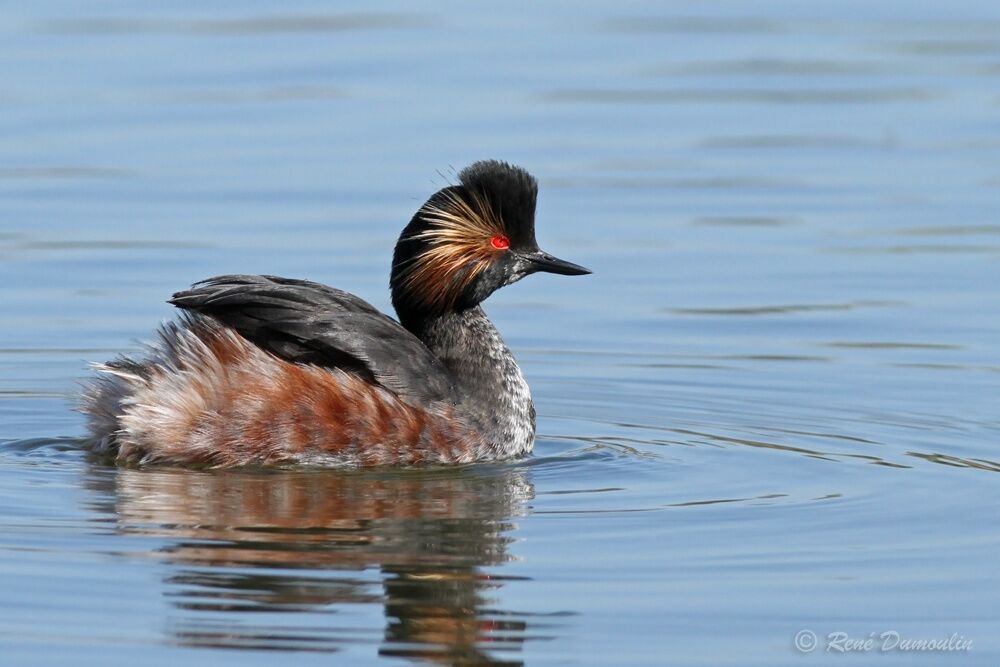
[(493, 394)]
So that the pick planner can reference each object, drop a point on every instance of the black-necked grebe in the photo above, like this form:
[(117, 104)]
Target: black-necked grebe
[(266, 370)]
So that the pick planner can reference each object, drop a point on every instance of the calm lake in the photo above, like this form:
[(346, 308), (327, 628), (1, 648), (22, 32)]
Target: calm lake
[(773, 410)]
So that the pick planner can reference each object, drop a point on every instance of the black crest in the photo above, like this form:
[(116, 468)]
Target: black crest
[(509, 190)]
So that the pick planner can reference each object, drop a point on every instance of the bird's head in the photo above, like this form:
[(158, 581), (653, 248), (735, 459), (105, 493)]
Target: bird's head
[(469, 240)]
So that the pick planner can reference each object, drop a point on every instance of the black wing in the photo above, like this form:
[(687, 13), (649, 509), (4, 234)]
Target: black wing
[(306, 322)]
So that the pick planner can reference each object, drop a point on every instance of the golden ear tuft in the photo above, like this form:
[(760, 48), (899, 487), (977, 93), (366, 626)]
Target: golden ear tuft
[(460, 242)]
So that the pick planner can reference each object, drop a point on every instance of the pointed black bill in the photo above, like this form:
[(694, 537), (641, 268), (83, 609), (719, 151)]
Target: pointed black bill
[(543, 261)]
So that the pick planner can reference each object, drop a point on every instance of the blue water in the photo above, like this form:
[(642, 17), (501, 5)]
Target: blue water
[(774, 407)]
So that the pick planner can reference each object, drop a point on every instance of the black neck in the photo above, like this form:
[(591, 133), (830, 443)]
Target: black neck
[(492, 392)]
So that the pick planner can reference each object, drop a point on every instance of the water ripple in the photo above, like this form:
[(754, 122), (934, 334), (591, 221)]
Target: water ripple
[(772, 67), (63, 172), (690, 24), (892, 345), (736, 96), (783, 309), (799, 141), (745, 221), (262, 25)]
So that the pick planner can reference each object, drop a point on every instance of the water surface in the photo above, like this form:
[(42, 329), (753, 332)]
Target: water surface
[(774, 407)]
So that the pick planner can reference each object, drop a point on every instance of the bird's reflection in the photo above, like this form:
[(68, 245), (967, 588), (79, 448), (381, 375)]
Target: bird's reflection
[(296, 560)]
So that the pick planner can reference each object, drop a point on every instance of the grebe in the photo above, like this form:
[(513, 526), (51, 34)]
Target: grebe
[(274, 371)]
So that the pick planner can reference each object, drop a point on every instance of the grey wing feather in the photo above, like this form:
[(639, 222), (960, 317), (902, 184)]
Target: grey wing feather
[(306, 322)]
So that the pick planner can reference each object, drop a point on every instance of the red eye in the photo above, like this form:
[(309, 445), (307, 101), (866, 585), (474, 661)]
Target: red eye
[(500, 242)]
